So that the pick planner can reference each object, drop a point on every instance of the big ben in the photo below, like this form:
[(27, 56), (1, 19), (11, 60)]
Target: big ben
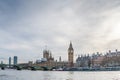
[(70, 55)]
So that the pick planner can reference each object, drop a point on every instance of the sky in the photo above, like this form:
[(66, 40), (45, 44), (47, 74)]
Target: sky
[(27, 27)]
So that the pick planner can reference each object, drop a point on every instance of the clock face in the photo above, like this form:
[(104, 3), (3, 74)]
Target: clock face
[(71, 51)]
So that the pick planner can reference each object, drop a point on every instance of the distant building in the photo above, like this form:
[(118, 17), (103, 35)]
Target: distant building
[(112, 59), (70, 55), (48, 59), (9, 61), (1, 62), (47, 55), (15, 60), (97, 60), (60, 59), (83, 61), (113, 54)]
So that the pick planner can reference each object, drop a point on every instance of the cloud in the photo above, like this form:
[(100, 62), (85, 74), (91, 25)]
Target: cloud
[(26, 27)]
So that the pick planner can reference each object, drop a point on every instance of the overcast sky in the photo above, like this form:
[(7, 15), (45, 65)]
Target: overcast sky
[(27, 26)]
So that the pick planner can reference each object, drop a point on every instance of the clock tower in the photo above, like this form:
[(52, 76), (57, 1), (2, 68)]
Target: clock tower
[(70, 55)]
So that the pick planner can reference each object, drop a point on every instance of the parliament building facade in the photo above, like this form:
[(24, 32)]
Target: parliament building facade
[(48, 59)]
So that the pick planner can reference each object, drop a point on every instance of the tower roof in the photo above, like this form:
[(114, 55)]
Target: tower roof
[(70, 46)]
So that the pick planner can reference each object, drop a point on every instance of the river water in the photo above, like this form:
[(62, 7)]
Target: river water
[(58, 75)]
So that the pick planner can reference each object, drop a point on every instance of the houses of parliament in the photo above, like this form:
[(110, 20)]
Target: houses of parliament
[(48, 59)]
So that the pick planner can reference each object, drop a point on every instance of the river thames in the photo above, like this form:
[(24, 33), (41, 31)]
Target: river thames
[(58, 75)]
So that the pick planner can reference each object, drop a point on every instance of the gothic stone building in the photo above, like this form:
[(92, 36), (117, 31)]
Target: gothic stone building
[(48, 60)]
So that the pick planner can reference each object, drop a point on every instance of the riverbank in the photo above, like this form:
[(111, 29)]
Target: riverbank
[(67, 69)]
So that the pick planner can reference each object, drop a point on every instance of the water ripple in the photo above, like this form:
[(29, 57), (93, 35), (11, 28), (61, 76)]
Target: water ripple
[(2, 75)]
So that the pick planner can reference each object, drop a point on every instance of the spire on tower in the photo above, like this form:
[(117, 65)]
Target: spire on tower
[(70, 55), (70, 46), (60, 59)]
